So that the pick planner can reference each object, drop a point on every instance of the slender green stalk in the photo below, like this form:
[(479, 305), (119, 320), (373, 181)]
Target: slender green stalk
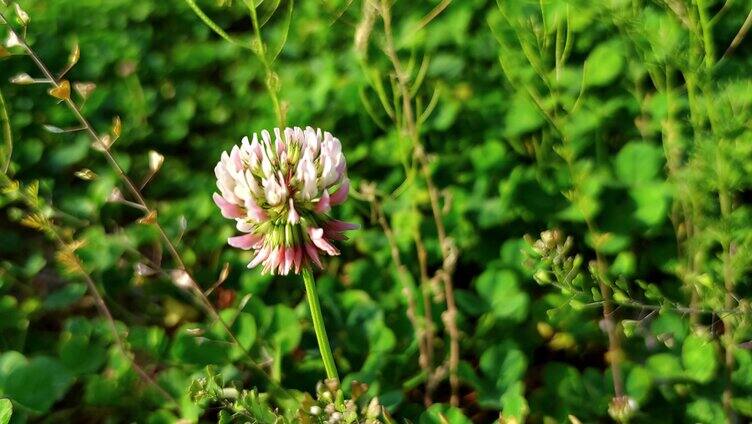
[(7, 135), (257, 47), (318, 325), (213, 25), (271, 80), (707, 34), (725, 201)]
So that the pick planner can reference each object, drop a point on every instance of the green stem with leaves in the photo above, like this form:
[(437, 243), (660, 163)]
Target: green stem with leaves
[(318, 325), (728, 341), (707, 34), (257, 46), (271, 80), (7, 136)]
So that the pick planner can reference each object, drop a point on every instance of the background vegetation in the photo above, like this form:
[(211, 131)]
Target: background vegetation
[(615, 134)]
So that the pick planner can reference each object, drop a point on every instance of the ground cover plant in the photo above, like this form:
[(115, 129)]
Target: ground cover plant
[(549, 204)]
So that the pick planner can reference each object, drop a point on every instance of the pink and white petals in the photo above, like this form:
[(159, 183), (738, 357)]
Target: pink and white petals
[(228, 209), (317, 237), (340, 195), (279, 189), (246, 242), (323, 205)]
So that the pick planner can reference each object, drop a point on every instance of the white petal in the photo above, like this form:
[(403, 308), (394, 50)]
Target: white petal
[(12, 40)]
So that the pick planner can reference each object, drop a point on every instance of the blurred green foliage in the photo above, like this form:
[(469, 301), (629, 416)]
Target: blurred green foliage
[(610, 121)]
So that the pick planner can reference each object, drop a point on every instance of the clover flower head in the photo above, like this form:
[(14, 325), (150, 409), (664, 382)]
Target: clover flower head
[(279, 190)]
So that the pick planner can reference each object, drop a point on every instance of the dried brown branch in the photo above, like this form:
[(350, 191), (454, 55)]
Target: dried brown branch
[(105, 312), (436, 11), (412, 132), (74, 262), (402, 273), (430, 330), (738, 38), (449, 317), (614, 355), (61, 90), (726, 206)]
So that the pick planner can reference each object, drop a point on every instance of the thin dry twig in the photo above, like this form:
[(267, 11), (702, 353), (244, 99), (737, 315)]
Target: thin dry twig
[(738, 38), (412, 307), (151, 214), (412, 131), (449, 317), (105, 312), (78, 267), (729, 283), (436, 11), (430, 330)]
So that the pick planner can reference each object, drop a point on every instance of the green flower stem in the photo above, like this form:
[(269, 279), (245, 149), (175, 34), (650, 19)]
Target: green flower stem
[(318, 325)]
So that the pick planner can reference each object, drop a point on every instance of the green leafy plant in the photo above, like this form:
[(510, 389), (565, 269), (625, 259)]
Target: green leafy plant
[(552, 200)]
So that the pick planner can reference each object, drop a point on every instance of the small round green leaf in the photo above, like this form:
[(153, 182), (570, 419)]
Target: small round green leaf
[(699, 358)]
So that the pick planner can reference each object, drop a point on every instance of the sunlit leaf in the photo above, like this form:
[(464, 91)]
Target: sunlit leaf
[(22, 79), (86, 174), (6, 411), (150, 218), (84, 89), (699, 358), (117, 127), (74, 55), (53, 129), (155, 160), (21, 15), (61, 91)]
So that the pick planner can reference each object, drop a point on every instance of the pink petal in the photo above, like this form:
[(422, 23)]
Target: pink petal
[(235, 158), (317, 237), (313, 254), (245, 242), (256, 148), (292, 216), (298, 258), (280, 261), (275, 261), (289, 256), (322, 206), (334, 235), (332, 230), (228, 209), (337, 225), (255, 211), (340, 195), (271, 262), (341, 168), (260, 257)]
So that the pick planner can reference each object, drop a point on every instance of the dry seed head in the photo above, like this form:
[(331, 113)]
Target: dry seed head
[(363, 31), (22, 79), (181, 278), (156, 160), (12, 40), (23, 17)]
